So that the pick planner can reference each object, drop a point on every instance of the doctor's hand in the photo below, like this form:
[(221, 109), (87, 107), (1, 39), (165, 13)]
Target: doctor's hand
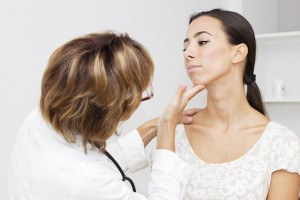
[(186, 116), (148, 130), (173, 112)]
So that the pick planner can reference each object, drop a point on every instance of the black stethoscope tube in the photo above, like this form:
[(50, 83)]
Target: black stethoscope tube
[(124, 178)]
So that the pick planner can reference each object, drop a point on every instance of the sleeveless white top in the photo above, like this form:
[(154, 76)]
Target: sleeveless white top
[(246, 178)]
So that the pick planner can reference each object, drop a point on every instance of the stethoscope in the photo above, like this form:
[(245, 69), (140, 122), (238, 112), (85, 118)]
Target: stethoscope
[(124, 178)]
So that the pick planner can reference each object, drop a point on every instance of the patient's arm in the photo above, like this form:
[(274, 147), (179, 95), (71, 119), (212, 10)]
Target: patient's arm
[(284, 185)]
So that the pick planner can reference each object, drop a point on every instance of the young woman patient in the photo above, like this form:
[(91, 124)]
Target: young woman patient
[(237, 152)]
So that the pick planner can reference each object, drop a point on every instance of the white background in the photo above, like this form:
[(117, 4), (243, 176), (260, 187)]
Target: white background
[(31, 30)]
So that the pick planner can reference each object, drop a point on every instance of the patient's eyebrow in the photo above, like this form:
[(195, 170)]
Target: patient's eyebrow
[(196, 35)]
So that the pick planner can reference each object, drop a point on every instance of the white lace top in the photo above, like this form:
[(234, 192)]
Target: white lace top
[(246, 178)]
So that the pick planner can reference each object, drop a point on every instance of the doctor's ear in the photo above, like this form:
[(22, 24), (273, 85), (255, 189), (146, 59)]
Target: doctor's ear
[(240, 53)]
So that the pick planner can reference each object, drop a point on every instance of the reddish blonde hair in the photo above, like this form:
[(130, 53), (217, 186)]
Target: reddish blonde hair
[(93, 82)]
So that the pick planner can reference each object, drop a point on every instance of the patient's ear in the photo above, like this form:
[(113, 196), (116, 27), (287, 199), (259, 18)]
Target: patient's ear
[(240, 52)]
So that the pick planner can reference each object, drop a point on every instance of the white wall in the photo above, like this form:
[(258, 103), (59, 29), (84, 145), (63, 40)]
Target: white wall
[(261, 14), (270, 16), (288, 15), (32, 29)]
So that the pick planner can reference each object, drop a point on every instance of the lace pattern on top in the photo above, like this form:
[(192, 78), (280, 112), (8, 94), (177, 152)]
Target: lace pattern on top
[(246, 178)]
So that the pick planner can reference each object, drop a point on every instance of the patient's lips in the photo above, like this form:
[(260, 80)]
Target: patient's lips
[(192, 68)]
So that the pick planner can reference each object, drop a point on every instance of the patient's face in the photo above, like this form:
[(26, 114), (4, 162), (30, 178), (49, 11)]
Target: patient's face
[(207, 52)]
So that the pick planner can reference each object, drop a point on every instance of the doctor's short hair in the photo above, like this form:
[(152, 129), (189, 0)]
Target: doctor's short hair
[(92, 83)]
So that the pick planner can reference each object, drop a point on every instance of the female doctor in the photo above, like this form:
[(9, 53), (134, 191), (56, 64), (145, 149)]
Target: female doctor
[(90, 85)]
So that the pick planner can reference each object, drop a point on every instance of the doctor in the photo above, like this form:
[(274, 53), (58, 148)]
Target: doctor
[(91, 84)]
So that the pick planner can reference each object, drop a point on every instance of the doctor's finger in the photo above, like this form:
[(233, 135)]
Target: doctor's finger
[(176, 103), (189, 94)]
